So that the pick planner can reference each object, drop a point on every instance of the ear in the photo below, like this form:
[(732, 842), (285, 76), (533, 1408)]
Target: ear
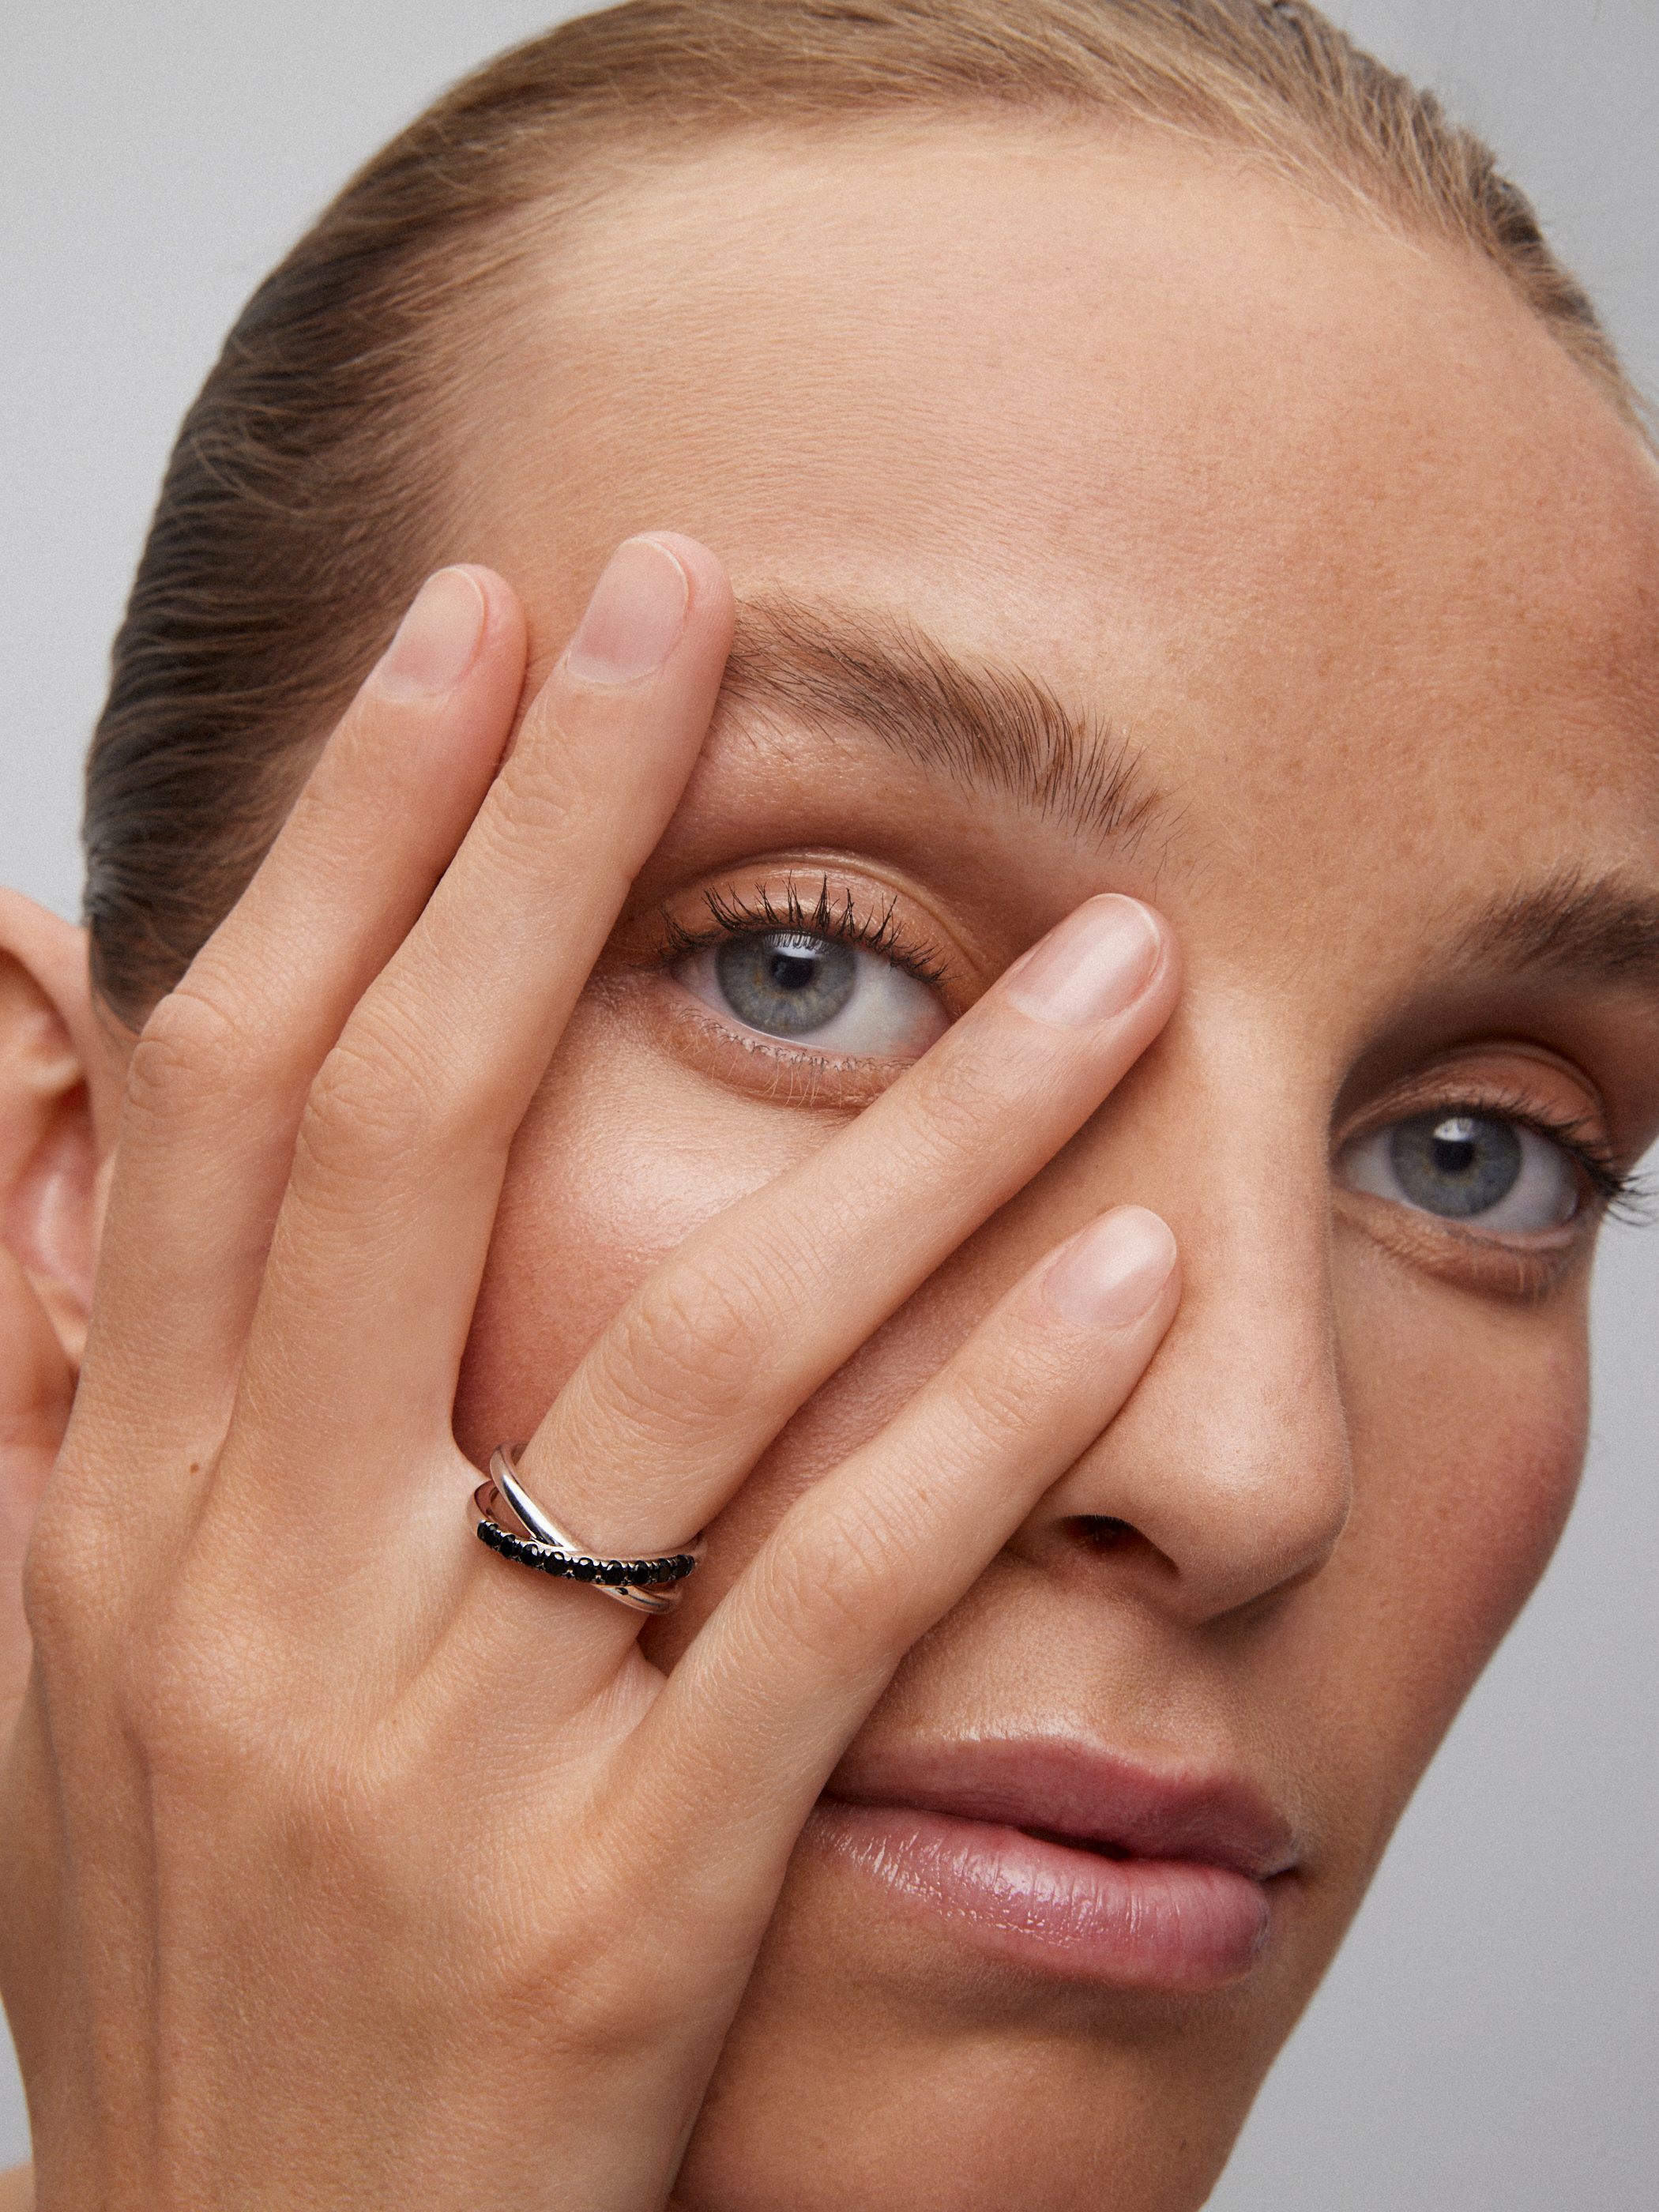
[(60, 1086), (60, 1079)]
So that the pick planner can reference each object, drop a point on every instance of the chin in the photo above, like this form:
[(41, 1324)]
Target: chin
[(890, 2055)]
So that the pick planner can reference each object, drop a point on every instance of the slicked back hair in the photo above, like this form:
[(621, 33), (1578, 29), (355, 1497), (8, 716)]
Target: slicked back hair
[(309, 490)]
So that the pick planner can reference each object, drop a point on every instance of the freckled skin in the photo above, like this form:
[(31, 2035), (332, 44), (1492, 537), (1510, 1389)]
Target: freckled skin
[(1365, 572)]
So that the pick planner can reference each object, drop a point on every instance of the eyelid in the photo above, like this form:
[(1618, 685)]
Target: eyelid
[(827, 897), (1505, 1263), (1545, 1182), (811, 903), (1610, 1186)]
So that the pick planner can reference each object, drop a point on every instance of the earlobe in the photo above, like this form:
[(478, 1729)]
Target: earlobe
[(58, 1084)]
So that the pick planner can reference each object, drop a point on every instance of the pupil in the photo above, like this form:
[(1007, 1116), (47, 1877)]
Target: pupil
[(794, 971), (784, 982), (1457, 1165)]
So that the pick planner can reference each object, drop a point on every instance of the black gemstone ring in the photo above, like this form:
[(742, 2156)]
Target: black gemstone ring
[(609, 1573), (514, 1524)]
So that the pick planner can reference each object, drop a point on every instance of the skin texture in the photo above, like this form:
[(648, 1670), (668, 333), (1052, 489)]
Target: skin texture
[(1314, 529), (1330, 533)]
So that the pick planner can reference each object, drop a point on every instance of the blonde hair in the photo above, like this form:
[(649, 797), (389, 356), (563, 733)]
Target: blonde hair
[(307, 493)]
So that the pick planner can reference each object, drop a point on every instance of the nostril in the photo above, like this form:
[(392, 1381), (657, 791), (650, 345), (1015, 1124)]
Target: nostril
[(1075, 1538), (1099, 1531), (1096, 1535)]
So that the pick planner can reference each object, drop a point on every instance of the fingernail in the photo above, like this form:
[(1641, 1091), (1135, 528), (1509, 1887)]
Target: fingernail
[(1091, 967), (437, 640), (635, 617), (1108, 1276)]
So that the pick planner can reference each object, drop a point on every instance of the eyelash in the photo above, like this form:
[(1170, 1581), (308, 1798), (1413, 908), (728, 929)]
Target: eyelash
[(731, 915), (1615, 1193)]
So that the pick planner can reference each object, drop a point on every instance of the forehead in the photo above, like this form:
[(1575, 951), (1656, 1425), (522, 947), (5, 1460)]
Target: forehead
[(1254, 475)]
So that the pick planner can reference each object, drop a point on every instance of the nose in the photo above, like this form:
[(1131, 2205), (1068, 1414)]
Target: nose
[(1227, 1476)]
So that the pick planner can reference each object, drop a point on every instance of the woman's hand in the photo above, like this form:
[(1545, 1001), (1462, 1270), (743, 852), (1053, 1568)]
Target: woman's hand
[(344, 1862)]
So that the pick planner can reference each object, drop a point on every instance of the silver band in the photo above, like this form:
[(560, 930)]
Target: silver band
[(514, 1524)]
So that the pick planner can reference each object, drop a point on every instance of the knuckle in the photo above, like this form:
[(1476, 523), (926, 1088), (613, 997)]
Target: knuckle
[(836, 1594), (59, 1583), (179, 1682), (995, 1401), (372, 1099), (76, 1578), (533, 801), (175, 1693), (692, 1344), (190, 1046), (960, 1105), (204, 1688), (149, 1659)]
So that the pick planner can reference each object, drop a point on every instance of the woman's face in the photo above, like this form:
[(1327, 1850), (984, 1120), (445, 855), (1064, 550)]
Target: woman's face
[(1108, 518)]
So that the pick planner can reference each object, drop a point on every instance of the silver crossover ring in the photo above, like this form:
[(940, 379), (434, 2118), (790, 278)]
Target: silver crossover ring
[(513, 1524)]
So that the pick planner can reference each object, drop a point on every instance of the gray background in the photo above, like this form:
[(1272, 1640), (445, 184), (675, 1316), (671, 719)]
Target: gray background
[(1488, 2040)]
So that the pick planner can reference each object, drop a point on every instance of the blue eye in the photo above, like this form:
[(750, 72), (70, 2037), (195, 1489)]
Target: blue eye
[(1478, 1169), (786, 983), (839, 998)]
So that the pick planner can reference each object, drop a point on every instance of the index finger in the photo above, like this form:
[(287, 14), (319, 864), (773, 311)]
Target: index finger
[(380, 1243), (219, 1078)]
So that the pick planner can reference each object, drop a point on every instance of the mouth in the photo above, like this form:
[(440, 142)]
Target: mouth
[(1066, 1859)]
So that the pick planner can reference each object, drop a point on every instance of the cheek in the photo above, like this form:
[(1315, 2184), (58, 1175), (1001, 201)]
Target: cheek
[(1468, 1421), (622, 1155), (857, 1401)]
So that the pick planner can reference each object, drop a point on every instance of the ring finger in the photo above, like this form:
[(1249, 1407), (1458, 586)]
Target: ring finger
[(665, 1415)]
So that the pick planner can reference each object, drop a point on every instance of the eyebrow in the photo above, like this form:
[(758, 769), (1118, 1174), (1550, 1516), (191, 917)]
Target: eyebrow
[(987, 725), (1599, 930), (980, 724)]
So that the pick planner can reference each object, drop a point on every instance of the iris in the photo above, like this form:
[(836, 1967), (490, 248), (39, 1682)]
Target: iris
[(1458, 1165), (785, 983)]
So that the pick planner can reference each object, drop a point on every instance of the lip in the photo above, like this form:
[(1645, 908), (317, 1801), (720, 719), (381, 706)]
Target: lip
[(1067, 1859)]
